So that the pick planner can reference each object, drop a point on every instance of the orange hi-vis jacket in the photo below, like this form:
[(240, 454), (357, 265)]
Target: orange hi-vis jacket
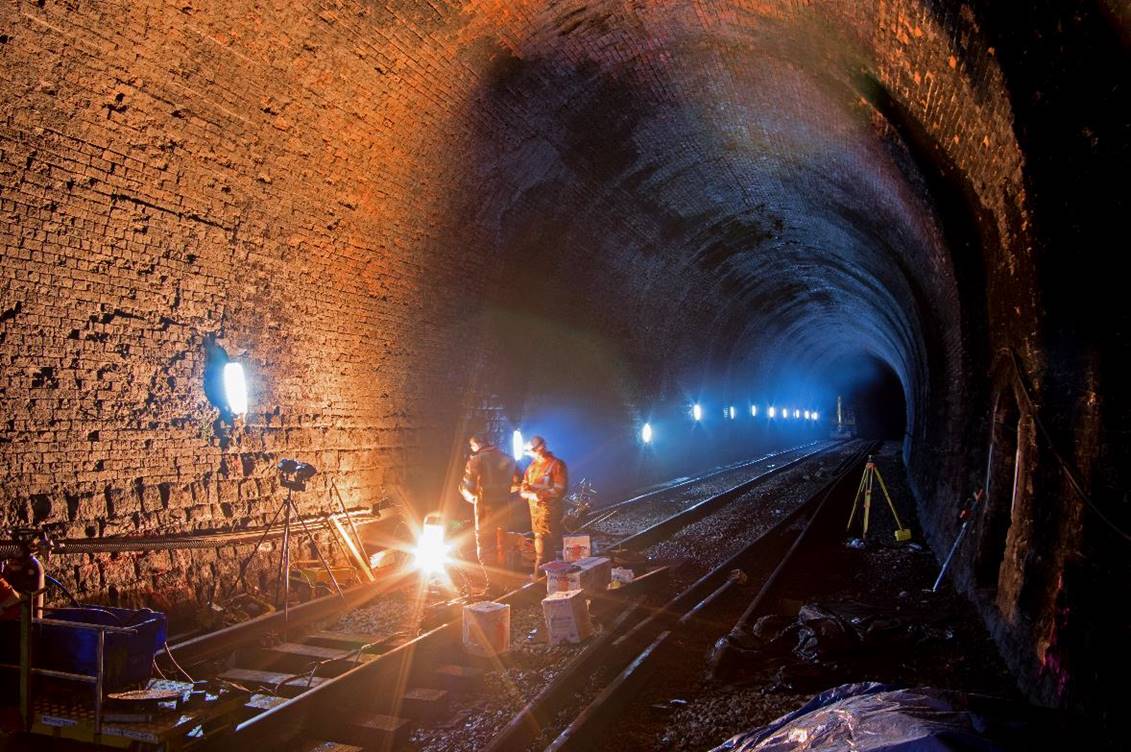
[(548, 477)]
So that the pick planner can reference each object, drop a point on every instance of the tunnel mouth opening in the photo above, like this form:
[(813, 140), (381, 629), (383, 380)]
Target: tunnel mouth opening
[(872, 390)]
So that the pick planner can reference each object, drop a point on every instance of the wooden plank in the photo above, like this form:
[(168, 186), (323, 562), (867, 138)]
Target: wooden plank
[(287, 685), (424, 704), (457, 678), (318, 746), (374, 731), (371, 641), (298, 658)]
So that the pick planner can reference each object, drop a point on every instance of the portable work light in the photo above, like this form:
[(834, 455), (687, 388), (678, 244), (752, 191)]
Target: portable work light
[(235, 388), (431, 552)]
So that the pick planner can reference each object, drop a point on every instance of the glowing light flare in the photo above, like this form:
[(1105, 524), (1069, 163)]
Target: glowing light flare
[(816, 416), (772, 412), (730, 411), (646, 433), (517, 447), (235, 388), (797, 413), (697, 411), (753, 411), (431, 552), (807, 414)]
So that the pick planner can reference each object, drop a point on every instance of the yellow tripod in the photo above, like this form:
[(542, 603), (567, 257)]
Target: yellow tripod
[(871, 474)]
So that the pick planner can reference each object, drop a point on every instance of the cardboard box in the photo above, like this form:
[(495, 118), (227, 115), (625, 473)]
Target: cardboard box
[(561, 576), (595, 573), (487, 628), (518, 551), (576, 547), (567, 617), (591, 574)]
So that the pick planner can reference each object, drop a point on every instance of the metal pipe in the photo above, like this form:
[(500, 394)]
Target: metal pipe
[(98, 683)]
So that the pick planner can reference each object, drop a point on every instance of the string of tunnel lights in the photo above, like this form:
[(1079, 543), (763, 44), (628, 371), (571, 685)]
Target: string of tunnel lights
[(730, 412), (235, 388), (647, 433)]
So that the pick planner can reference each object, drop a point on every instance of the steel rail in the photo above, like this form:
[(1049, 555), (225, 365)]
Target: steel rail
[(655, 632), (663, 489), (224, 640), (372, 679), (665, 528)]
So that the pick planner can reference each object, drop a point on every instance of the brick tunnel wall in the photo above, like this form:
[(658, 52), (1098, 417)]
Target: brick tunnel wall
[(322, 190), (174, 177)]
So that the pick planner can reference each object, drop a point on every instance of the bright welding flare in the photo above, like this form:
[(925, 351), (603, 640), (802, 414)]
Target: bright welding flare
[(431, 553)]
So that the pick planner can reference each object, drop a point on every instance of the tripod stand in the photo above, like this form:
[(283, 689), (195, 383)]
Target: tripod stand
[(871, 474), (293, 477)]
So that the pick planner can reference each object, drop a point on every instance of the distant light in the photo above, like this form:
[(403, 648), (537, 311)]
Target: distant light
[(731, 411), (697, 411), (797, 413), (816, 416), (517, 447), (807, 414), (753, 411), (772, 411), (235, 388), (646, 433)]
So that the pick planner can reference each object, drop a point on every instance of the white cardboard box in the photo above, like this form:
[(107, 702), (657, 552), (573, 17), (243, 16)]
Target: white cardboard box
[(561, 576), (567, 617), (487, 628), (576, 547), (591, 574)]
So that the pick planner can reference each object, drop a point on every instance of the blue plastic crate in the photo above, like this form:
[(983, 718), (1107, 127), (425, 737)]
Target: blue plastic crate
[(127, 658)]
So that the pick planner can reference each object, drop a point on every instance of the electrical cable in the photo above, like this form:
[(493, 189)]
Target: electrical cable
[(176, 665), (1068, 470), (56, 583)]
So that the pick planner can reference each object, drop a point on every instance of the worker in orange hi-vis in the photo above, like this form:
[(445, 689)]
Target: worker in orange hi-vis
[(9, 600), (544, 488), (486, 484)]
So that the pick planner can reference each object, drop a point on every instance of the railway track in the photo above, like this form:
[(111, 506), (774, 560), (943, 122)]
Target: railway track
[(386, 682), (696, 622)]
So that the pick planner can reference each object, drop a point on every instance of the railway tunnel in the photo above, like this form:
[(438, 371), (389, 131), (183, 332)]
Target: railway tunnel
[(410, 221)]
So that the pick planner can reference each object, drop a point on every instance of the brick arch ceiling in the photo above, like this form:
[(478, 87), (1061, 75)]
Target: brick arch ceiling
[(719, 171)]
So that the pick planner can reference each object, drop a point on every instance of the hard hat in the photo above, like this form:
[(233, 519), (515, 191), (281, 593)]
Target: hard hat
[(537, 442)]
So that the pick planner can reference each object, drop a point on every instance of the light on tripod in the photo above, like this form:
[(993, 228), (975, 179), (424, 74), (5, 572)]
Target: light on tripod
[(235, 388), (431, 552)]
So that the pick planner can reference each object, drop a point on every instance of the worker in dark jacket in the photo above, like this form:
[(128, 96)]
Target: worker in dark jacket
[(544, 488), (486, 484)]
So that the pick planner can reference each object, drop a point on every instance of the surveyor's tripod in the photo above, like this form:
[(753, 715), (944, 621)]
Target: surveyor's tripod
[(872, 474), (293, 478)]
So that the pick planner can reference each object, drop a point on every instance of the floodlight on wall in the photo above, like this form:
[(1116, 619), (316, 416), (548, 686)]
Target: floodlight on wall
[(235, 388), (697, 411), (518, 448), (646, 433)]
